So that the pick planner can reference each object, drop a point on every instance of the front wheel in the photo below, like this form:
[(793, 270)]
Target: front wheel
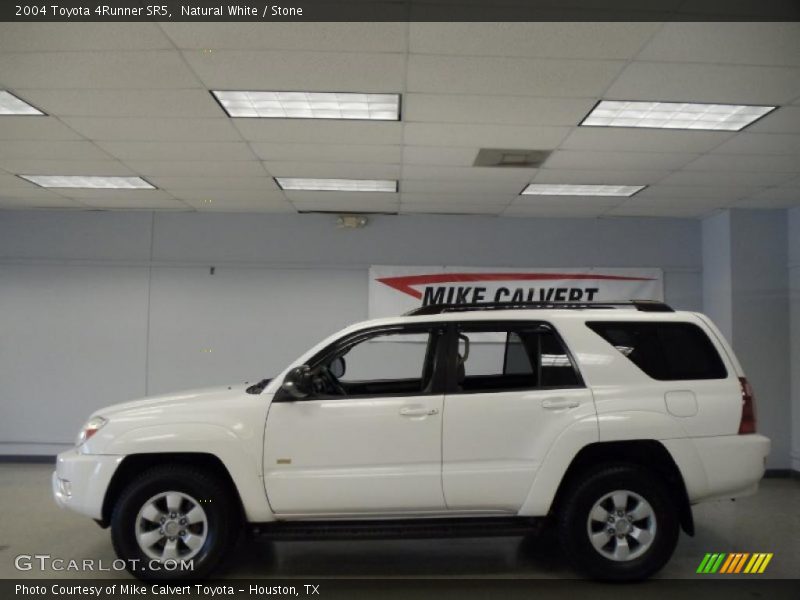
[(174, 522), (619, 523)]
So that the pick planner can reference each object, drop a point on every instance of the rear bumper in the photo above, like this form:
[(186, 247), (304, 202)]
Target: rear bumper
[(80, 481), (733, 464)]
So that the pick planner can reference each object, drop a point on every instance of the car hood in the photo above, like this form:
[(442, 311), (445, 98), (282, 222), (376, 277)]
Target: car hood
[(177, 400)]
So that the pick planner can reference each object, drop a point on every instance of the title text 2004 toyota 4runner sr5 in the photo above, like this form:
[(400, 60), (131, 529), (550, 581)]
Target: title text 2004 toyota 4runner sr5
[(451, 420)]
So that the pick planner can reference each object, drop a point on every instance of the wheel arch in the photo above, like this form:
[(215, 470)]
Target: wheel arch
[(134, 464), (647, 454)]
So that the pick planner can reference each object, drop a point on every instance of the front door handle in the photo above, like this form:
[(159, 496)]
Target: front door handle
[(408, 411), (560, 403)]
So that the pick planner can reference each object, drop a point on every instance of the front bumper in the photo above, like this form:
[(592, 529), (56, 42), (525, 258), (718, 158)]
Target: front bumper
[(80, 481)]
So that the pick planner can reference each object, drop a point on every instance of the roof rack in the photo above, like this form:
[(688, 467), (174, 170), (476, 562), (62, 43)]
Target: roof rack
[(436, 309)]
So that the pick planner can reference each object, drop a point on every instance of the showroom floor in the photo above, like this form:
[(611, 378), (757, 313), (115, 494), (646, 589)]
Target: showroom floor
[(767, 522)]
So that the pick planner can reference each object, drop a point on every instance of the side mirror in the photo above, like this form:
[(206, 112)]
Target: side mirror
[(298, 382), (337, 367)]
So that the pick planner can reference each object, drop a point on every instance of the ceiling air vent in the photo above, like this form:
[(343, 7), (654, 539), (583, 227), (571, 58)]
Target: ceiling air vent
[(501, 157)]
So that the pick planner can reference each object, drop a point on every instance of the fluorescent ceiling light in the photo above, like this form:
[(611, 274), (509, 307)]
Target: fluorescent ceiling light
[(11, 105), (310, 105), (337, 185), (563, 189), (674, 115), (84, 181)]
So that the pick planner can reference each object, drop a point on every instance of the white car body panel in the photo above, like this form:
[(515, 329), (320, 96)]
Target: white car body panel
[(360, 458), (359, 455)]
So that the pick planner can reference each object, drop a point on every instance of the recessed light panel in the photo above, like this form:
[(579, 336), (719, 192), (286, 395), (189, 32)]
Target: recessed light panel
[(11, 105), (92, 182), (310, 105), (674, 115), (336, 185), (559, 189)]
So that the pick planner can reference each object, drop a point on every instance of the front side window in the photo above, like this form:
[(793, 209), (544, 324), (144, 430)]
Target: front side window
[(496, 358), (382, 363), (667, 351)]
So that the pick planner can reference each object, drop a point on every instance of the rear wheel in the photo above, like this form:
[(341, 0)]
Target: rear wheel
[(619, 523), (174, 522)]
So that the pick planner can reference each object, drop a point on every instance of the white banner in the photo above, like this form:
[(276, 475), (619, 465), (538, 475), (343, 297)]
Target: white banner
[(396, 290)]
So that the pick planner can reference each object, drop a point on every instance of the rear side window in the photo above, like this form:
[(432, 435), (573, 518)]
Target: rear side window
[(664, 351)]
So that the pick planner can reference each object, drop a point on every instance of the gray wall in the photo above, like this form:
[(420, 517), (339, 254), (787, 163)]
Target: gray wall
[(794, 308), (100, 307)]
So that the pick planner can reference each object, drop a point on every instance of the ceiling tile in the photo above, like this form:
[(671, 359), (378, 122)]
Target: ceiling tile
[(462, 186), (547, 40), (244, 206), (501, 110), (452, 208), (683, 82), (725, 193), (125, 103), (143, 200), (468, 174), (788, 163), (738, 43), (484, 136), (221, 151), (590, 202), (362, 153), (34, 128), (200, 196), (138, 129), (659, 211), (488, 199), (785, 119), (331, 37), (778, 197), (223, 182), (343, 202), (332, 170), (96, 70), (643, 140), (35, 166), (317, 131), (298, 71), (439, 155), (510, 76), (41, 150), (199, 168), (550, 212), (77, 36), (17, 203), (570, 159), (761, 143), (599, 176), (710, 178)]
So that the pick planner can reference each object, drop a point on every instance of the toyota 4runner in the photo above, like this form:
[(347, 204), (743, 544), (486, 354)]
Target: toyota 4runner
[(611, 419)]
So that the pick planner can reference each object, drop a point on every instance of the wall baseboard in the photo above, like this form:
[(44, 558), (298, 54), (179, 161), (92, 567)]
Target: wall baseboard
[(28, 458)]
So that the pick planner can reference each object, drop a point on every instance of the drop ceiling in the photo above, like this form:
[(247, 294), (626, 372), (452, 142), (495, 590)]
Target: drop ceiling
[(133, 99)]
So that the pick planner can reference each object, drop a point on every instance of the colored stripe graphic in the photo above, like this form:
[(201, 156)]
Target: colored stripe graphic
[(735, 562)]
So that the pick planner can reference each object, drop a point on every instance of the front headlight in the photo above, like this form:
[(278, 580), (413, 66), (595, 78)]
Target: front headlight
[(94, 425)]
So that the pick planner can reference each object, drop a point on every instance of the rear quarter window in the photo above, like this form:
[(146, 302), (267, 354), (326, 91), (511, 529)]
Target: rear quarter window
[(667, 351)]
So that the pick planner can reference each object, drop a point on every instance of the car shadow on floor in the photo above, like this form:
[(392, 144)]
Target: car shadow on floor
[(536, 555)]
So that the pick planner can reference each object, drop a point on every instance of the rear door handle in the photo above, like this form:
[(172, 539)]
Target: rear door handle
[(408, 411), (560, 403)]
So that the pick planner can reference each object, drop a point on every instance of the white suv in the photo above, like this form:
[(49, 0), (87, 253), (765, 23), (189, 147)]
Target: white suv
[(613, 419)]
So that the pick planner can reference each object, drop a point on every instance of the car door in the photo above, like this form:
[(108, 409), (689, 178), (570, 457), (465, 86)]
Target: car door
[(372, 447), (513, 389)]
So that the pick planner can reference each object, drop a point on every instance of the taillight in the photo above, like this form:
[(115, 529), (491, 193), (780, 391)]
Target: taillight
[(748, 422)]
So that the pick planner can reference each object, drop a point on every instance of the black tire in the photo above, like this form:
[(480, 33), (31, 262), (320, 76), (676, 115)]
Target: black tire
[(223, 520), (573, 525)]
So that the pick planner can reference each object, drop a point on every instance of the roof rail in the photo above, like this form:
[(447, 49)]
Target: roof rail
[(435, 309)]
